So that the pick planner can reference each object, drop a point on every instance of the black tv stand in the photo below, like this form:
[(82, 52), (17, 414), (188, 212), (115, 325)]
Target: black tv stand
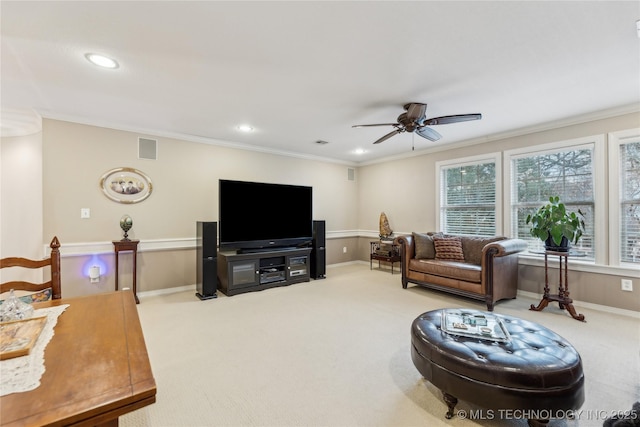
[(262, 250), (241, 272)]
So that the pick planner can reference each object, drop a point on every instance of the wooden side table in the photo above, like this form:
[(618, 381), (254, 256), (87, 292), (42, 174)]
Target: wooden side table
[(562, 297), (377, 253), (127, 246)]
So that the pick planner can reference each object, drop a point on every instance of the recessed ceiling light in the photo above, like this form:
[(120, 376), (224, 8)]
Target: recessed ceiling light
[(101, 60), (359, 151), (245, 128)]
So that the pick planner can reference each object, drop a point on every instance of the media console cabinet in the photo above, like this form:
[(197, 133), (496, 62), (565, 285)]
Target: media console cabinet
[(246, 272)]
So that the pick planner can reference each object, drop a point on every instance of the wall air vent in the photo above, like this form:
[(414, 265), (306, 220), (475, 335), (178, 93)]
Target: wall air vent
[(351, 174), (147, 149)]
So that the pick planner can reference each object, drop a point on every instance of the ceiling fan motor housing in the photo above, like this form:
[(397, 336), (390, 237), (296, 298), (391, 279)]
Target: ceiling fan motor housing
[(414, 120)]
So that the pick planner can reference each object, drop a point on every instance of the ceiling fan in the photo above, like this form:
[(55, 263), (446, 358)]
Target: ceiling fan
[(414, 120)]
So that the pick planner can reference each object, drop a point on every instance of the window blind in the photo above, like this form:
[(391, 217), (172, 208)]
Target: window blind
[(468, 199), (630, 202)]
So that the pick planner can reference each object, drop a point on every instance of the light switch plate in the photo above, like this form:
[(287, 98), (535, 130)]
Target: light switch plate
[(85, 213)]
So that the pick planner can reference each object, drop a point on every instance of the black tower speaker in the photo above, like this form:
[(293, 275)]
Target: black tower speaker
[(206, 259), (318, 251)]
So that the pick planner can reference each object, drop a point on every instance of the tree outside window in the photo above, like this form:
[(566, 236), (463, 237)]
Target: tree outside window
[(567, 174), (630, 202)]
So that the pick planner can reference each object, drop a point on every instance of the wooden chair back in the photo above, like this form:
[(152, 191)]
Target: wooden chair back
[(52, 261)]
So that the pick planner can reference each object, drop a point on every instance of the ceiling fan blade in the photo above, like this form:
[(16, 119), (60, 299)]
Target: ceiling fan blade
[(428, 133), (452, 119), (415, 110), (389, 135), (377, 124)]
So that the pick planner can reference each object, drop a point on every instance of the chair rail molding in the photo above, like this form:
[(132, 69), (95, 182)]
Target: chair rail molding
[(153, 245)]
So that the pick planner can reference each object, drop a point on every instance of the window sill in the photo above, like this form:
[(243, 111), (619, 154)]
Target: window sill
[(579, 265)]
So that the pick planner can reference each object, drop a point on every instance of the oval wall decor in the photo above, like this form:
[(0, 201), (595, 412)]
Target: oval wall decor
[(126, 185)]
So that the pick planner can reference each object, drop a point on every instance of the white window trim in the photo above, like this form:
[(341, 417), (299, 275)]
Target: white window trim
[(469, 161), (615, 140), (599, 171)]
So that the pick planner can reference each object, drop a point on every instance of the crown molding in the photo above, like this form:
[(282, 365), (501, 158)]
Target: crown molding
[(19, 122), (189, 138)]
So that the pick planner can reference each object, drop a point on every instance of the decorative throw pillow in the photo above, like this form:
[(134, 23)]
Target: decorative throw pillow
[(424, 246), (472, 247), (448, 248)]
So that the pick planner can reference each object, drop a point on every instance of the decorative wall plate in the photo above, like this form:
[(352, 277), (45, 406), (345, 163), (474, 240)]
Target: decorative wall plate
[(126, 185)]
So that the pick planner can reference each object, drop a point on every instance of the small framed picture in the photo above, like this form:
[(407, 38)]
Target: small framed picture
[(126, 185)]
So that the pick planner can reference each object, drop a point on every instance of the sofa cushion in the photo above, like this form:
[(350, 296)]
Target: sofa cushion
[(449, 269), (448, 248), (472, 247), (424, 246)]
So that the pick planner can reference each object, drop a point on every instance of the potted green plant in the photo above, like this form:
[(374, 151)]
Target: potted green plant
[(556, 226)]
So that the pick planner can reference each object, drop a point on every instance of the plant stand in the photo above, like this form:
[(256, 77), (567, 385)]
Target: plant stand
[(563, 299)]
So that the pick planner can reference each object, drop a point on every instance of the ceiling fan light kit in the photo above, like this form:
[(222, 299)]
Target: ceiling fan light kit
[(414, 120)]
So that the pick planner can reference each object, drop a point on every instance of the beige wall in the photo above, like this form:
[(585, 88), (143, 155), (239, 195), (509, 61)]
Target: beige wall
[(21, 201), (405, 190), (185, 183), (74, 157), (185, 190)]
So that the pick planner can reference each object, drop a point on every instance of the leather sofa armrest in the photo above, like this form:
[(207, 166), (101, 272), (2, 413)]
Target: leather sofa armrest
[(407, 246), (407, 253), (500, 269), (504, 247)]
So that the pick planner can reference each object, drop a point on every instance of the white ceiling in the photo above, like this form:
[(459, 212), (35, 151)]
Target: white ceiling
[(302, 71)]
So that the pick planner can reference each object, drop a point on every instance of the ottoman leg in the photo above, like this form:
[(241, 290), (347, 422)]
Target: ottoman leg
[(537, 423), (451, 403)]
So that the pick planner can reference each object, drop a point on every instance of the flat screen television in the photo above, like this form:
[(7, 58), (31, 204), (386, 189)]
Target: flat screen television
[(255, 216)]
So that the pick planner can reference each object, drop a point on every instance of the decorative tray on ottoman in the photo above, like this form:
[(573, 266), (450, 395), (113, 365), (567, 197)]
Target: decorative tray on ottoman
[(474, 324)]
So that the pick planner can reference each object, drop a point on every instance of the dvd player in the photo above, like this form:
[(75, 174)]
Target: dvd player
[(271, 276)]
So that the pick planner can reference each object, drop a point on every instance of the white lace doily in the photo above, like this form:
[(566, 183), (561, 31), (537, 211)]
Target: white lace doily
[(23, 373)]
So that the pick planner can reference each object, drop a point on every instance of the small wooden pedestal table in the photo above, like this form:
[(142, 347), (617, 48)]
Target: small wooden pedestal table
[(127, 245), (563, 299), (391, 257)]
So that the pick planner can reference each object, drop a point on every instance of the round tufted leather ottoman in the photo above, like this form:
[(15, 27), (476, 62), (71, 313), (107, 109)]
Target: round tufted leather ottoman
[(535, 372)]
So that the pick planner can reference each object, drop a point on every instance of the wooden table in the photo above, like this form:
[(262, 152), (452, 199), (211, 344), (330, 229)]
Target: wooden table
[(392, 257), (97, 367), (126, 245)]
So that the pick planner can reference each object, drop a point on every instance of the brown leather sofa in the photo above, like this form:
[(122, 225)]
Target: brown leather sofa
[(488, 272)]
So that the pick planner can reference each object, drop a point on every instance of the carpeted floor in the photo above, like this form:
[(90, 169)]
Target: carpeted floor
[(336, 352)]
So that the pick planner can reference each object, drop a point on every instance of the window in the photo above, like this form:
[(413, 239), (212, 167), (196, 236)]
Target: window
[(468, 195), (630, 202), (624, 166), (566, 172)]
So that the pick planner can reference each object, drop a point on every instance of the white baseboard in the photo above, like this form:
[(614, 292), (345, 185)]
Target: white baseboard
[(166, 291)]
